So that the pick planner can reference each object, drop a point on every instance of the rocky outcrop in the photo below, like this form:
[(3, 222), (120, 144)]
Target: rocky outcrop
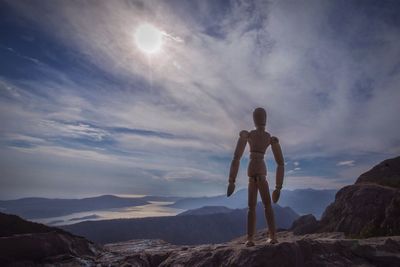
[(386, 173), (370, 207), (25, 243), (306, 224), (363, 210), (328, 249), (13, 224)]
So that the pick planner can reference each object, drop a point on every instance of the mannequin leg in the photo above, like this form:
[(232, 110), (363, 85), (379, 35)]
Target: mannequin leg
[(251, 213), (269, 213)]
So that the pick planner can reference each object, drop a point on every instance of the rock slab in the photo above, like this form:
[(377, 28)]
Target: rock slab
[(327, 249)]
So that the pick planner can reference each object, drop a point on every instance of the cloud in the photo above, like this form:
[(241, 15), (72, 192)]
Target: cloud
[(346, 163), (317, 182), (224, 77), (12, 50), (289, 172), (330, 87)]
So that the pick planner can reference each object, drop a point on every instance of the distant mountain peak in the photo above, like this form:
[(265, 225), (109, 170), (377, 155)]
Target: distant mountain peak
[(206, 210)]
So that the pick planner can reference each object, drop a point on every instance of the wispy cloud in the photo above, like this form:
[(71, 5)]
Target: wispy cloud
[(329, 89), (346, 163), (12, 50)]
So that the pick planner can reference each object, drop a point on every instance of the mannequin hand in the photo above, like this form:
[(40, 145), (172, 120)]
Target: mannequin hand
[(275, 195), (231, 188)]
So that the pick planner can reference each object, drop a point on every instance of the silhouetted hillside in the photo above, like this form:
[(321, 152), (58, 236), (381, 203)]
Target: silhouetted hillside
[(32, 243), (190, 229), (12, 224)]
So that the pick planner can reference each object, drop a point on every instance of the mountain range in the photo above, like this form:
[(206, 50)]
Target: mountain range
[(206, 225), (302, 201), (36, 207)]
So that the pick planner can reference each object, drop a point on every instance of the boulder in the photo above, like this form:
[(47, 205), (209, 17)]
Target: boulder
[(305, 224)]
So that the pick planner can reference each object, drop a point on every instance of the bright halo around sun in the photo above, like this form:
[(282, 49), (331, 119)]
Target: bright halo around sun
[(148, 38)]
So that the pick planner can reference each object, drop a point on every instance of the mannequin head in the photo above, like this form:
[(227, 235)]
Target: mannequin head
[(259, 117)]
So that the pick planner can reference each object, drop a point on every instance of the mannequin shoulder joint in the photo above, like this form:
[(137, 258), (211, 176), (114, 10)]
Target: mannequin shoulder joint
[(244, 134), (274, 140)]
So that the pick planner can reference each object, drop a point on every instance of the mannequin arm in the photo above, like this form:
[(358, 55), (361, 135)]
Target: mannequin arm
[(280, 170), (240, 146)]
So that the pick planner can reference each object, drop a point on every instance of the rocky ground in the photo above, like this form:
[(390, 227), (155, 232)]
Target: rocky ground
[(323, 249)]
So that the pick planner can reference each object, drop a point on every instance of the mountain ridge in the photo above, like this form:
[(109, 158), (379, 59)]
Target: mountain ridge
[(185, 229), (38, 207), (303, 201)]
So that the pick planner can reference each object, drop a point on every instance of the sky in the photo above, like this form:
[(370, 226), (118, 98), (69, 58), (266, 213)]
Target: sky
[(84, 111)]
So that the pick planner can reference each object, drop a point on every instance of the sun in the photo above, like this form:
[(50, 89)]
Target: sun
[(148, 38)]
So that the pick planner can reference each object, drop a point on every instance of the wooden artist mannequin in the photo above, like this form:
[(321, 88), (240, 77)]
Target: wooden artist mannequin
[(259, 140)]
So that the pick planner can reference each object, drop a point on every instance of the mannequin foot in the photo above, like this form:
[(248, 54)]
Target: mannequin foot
[(249, 243), (272, 240)]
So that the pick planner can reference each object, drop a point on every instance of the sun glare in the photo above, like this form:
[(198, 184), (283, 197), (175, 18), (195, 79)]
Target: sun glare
[(148, 38)]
